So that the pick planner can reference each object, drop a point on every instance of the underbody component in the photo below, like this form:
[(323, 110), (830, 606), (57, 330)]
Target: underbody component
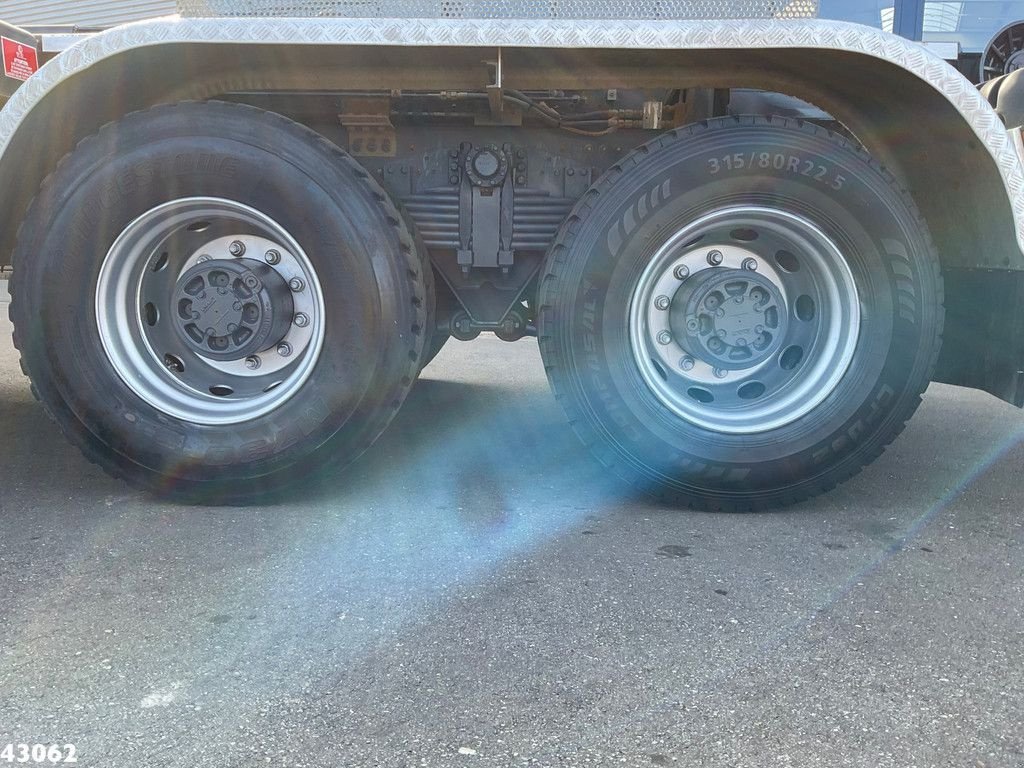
[(490, 223)]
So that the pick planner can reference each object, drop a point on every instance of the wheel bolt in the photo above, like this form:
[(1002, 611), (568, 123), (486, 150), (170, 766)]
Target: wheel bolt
[(692, 325), (253, 362), (302, 320), (681, 272), (296, 285), (714, 258), (686, 363), (237, 248), (284, 349), (203, 258), (664, 337), (237, 306), (272, 257), (750, 265), (741, 342), (662, 302), (720, 373)]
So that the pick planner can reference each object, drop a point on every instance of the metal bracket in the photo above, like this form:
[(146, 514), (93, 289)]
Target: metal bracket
[(495, 94), (368, 122)]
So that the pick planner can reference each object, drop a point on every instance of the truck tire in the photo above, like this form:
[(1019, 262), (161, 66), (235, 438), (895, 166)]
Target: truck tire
[(214, 302), (741, 314)]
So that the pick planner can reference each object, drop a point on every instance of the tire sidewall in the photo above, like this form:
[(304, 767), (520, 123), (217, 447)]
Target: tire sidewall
[(294, 179), (662, 189)]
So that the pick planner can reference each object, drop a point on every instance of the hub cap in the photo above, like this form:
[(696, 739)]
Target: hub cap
[(745, 320), (209, 311)]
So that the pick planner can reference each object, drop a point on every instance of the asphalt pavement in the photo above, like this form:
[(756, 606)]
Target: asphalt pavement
[(475, 591)]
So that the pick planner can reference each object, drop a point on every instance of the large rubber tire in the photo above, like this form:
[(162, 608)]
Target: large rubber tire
[(370, 270), (599, 258)]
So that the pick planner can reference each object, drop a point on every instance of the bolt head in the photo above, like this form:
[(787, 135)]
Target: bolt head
[(662, 302), (715, 258), (237, 248), (203, 258), (301, 320), (272, 257), (250, 281), (741, 342), (253, 362), (692, 324), (681, 272), (296, 285), (284, 349), (721, 373), (664, 337), (750, 264), (686, 363)]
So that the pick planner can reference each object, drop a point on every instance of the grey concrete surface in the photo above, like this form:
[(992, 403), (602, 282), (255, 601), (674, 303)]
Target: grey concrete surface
[(475, 592)]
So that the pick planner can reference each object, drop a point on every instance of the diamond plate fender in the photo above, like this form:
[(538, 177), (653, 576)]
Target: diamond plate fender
[(540, 33)]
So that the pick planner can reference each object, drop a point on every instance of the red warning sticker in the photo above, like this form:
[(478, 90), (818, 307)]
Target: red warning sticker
[(20, 60)]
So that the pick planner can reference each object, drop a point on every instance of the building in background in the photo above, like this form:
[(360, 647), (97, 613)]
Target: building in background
[(82, 13)]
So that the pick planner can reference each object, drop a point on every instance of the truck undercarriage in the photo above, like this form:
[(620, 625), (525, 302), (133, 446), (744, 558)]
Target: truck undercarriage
[(736, 249)]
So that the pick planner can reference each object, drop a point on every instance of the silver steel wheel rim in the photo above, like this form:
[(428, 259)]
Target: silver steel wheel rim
[(137, 281), (791, 261)]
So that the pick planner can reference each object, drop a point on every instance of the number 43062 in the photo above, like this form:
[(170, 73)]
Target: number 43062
[(39, 753)]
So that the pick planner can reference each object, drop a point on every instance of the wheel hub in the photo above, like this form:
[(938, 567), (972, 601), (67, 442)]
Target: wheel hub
[(729, 318), (744, 320), (229, 309)]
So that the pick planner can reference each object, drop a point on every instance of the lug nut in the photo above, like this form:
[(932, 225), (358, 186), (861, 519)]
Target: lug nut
[(237, 248), (272, 257), (714, 258), (253, 362), (250, 281), (662, 302), (203, 258), (296, 285), (686, 363), (301, 320), (692, 325), (750, 264), (284, 349), (681, 272), (720, 373), (664, 337)]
